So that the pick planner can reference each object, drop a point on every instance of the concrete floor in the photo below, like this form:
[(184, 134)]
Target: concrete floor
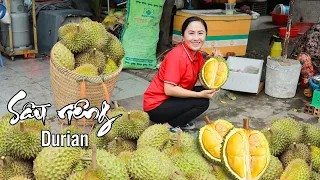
[(33, 76)]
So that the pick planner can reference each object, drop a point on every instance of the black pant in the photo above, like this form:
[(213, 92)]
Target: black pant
[(179, 111)]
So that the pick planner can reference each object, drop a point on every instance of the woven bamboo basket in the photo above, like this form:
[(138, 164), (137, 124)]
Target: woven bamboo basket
[(66, 87)]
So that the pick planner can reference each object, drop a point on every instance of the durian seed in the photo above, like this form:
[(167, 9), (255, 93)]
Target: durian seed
[(246, 123), (21, 126), (207, 119), (94, 156)]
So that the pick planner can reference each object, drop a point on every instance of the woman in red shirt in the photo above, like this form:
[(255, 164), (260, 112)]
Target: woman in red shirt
[(171, 97)]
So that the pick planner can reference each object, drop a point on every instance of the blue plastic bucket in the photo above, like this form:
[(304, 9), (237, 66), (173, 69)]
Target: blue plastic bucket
[(281, 9)]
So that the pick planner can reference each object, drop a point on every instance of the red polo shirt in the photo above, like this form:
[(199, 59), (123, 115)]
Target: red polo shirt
[(179, 68)]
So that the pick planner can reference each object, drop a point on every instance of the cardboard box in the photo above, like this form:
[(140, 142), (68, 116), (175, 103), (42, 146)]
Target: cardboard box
[(228, 33), (239, 79)]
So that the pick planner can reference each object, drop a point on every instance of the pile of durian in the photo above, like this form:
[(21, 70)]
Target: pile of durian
[(135, 149), (87, 48)]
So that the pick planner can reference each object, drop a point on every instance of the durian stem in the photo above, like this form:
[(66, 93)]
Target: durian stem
[(94, 51), (4, 162), (129, 117), (246, 123), (295, 148), (94, 156), (179, 138), (311, 165), (78, 28), (21, 126), (91, 129), (61, 126), (76, 123), (116, 104), (207, 120), (309, 146)]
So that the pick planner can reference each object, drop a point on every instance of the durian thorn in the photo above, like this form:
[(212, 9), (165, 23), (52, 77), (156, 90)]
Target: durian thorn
[(246, 123), (116, 104), (207, 120), (295, 147), (4, 162), (129, 117), (21, 126), (78, 28), (94, 156)]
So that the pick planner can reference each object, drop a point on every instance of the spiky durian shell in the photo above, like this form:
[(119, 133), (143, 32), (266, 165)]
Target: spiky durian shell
[(125, 155), (114, 49), (315, 158), (291, 127), (19, 178), (101, 142), (56, 163), (111, 67), (314, 176), (187, 140), (155, 136), (4, 128), (131, 128), (66, 29), (119, 144), (311, 134), (63, 56), (85, 19), (148, 163), (297, 169), (92, 56), (25, 144), (274, 169), (78, 40), (220, 173), (87, 70), (278, 140), (300, 151)]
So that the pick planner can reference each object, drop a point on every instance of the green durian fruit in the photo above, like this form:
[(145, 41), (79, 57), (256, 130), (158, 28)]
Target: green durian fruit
[(311, 134), (66, 29), (220, 173), (297, 169), (295, 151), (274, 169), (119, 144), (23, 140), (87, 70), (314, 176), (110, 67), (155, 136), (148, 163), (92, 174), (278, 140), (101, 142), (200, 175), (114, 49), (315, 158), (56, 163), (19, 178), (131, 124), (111, 165), (63, 56), (15, 167), (187, 140), (6, 172), (291, 127), (85, 19), (191, 162), (92, 56), (4, 128), (78, 40)]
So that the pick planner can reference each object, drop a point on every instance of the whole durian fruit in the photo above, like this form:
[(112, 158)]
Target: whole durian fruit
[(92, 174), (85, 19), (119, 144), (4, 128), (114, 49), (131, 124), (278, 140), (66, 29), (295, 151), (148, 163), (297, 169), (291, 127), (155, 136), (78, 40), (274, 169), (110, 67), (24, 139), (15, 167), (315, 158), (56, 163), (187, 140), (92, 56), (311, 134), (63, 56), (87, 70)]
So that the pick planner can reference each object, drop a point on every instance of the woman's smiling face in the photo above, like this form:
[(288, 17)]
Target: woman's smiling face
[(194, 36)]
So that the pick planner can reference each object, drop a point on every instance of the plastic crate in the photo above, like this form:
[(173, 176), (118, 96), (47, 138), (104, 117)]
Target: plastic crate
[(259, 7)]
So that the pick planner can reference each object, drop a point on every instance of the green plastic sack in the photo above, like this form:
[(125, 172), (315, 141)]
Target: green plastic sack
[(140, 34)]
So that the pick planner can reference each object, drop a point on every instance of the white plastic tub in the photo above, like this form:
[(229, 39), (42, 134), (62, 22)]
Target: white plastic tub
[(241, 81)]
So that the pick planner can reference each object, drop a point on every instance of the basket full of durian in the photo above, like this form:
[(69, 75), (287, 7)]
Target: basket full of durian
[(86, 54)]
